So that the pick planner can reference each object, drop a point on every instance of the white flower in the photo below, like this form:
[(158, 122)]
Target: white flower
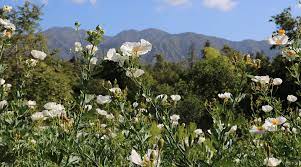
[(257, 130), (110, 116), (88, 107), (277, 81), (272, 123), (53, 109), (91, 49), (225, 95), (31, 62), (2, 81), (134, 72), (198, 132), (160, 126), (233, 129), (135, 104), (101, 112), (3, 103), (103, 99), (272, 162), (294, 130), (112, 55), (37, 116), (201, 140), (93, 60), (7, 8), (292, 98), (162, 97), (103, 125), (279, 40), (267, 108), (175, 98), (7, 86), (136, 48), (31, 104), (115, 90), (290, 53), (78, 47), (174, 119), (136, 158), (262, 79), (38, 54)]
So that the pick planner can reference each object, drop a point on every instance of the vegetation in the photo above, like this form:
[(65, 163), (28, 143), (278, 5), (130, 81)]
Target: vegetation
[(226, 109)]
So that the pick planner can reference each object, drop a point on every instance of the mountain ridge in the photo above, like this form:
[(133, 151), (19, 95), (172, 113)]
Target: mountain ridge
[(174, 47)]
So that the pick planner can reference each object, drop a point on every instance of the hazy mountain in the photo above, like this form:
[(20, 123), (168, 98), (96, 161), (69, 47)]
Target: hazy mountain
[(175, 47)]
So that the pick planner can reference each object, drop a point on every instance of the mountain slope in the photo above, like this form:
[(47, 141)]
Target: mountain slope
[(174, 46)]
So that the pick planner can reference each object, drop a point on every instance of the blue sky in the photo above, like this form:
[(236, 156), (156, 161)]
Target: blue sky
[(231, 19)]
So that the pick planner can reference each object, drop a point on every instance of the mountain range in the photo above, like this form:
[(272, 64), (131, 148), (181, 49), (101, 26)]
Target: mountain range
[(174, 47)]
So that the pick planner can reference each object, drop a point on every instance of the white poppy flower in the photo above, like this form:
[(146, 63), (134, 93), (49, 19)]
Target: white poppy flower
[(294, 130), (160, 126), (78, 47), (136, 158), (103, 99), (175, 98), (277, 81), (233, 129), (115, 90), (136, 48), (272, 162), (279, 39), (110, 116), (262, 79), (37, 116), (31, 62), (174, 119), (88, 107), (292, 98), (101, 112), (4, 22), (135, 104), (38, 54), (134, 72), (198, 132), (112, 55), (7, 86), (289, 53), (225, 95), (276, 121), (7, 8), (267, 108), (3, 104), (93, 60), (2, 81), (103, 125), (31, 104), (91, 49), (257, 130)]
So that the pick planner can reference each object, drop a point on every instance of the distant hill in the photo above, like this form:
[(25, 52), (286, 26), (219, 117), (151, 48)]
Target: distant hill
[(174, 47)]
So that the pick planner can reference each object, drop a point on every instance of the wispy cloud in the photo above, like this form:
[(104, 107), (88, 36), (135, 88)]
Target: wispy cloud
[(93, 2), (223, 5), (177, 2)]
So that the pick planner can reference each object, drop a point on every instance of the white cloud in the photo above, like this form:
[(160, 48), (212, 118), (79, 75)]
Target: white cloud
[(223, 5), (177, 2), (93, 2)]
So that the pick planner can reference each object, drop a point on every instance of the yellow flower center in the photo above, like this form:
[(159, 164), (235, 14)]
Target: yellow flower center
[(275, 122), (281, 32), (291, 53), (260, 128), (278, 42)]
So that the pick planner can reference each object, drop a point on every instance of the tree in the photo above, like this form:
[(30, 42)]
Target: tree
[(192, 55)]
